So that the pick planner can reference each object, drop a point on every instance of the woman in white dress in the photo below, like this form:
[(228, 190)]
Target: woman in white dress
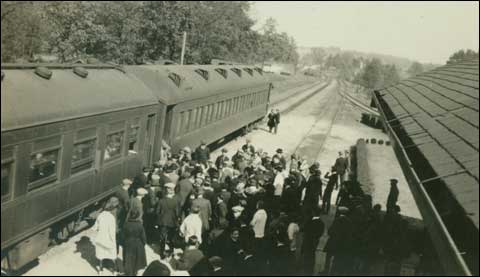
[(106, 239)]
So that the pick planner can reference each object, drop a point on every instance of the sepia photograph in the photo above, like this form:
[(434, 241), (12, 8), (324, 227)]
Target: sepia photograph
[(239, 138)]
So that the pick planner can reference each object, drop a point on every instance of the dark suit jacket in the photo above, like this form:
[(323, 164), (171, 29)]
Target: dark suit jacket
[(168, 211)]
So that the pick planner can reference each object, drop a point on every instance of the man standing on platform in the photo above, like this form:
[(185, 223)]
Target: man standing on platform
[(393, 195), (341, 165)]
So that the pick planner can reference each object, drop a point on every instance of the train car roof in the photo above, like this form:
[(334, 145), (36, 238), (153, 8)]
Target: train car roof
[(35, 94), (175, 83)]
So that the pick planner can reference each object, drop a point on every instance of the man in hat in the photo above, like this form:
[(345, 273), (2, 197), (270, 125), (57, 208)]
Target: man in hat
[(192, 225), (248, 147), (341, 166), (185, 188), (140, 180), (277, 119), (124, 201), (271, 120), (240, 160), (149, 204), (392, 195), (168, 215), (313, 191), (279, 155), (171, 174), (313, 231), (136, 202), (220, 213), (327, 194), (278, 184), (185, 155), (205, 209), (192, 255), (339, 244), (202, 153), (220, 161)]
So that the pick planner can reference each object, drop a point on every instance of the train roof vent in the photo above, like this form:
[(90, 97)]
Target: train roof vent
[(177, 80), (259, 70), (202, 72), (249, 71), (222, 72), (80, 71), (237, 71), (44, 72)]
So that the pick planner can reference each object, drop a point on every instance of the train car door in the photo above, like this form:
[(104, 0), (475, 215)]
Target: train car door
[(149, 139)]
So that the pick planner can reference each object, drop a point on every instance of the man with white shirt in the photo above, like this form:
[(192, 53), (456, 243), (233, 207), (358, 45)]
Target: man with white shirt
[(258, 224), (278, 184), (192, 225)]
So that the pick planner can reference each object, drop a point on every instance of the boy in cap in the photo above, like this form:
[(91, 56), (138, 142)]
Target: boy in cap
[(202, 153), (221, 159)]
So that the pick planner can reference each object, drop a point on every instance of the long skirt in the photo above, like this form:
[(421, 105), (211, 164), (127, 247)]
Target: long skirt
[(134, 257)]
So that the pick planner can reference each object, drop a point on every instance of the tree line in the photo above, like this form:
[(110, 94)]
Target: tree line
[(132, 32)]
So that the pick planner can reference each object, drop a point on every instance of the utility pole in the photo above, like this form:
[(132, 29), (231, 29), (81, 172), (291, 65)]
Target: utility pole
[(183, 47)]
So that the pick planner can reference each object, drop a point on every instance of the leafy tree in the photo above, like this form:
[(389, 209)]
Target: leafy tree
[(390, 75), (372, 76), (130, 32), (415, 69), (463, 55)]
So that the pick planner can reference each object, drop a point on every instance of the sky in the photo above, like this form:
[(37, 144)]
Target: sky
[(428, 32)]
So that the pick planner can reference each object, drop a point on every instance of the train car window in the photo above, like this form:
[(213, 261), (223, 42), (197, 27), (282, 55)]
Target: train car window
[(7, 178), (185, 122), (188, 121), (133, 138), (83, 156), (207, 115), (222, 72), (43, 168), (180, 123), (191, 124), (176, 79), (211, 118), (204, 115), (249, 71), (235, 102), (219, 110), (198, 114), (229, 107), (237, 71), (8, 163), (114, 146), (202, 72), (214, 112)]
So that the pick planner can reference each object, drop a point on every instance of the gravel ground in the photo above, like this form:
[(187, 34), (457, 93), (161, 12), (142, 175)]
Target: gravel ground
[(308, 129)]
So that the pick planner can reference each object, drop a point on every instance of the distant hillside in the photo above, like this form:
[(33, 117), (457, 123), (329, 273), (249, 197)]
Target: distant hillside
[(400, 62)]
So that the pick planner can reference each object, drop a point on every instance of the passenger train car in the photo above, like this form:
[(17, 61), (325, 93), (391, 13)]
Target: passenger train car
[(71, 133)]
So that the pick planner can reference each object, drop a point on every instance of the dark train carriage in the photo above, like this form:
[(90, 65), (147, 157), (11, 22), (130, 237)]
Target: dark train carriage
[(206, 102), (69, 135)]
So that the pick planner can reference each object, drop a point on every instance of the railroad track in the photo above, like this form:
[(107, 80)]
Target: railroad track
[(301, 100), (330, 109)]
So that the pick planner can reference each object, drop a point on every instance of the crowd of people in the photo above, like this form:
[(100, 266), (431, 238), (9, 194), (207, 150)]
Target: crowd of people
[(246, 214)]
